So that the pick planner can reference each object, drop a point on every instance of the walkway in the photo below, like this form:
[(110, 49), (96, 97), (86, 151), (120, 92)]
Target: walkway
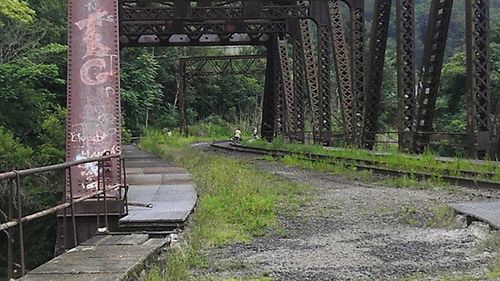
[(122, 256)]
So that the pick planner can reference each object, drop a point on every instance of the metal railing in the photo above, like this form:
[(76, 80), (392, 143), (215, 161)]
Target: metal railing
[(69, 201)]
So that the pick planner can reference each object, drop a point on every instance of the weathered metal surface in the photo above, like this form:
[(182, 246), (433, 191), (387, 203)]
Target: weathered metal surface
[(94, 124), (269, 114), (185, 23), (430, 74), (478, 77), (343, 68), (286, 80), (101, 258), (299, 84), (171, 203), (375, 72), (358, 69), (171, 192), (311, 71), (484, 211), (405, 17), (320, 12)]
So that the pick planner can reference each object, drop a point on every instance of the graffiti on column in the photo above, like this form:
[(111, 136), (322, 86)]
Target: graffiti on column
[(95, 131)]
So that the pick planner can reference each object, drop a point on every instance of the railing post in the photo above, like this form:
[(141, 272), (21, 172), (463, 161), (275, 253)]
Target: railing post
[(19, 217), (72, 208), (65, 234), (10, 259), (99, 164), (103, 176)]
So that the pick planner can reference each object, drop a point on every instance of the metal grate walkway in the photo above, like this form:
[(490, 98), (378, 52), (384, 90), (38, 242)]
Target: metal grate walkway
[(484, 211)]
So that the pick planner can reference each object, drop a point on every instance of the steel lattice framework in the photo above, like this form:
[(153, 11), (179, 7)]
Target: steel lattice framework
[(191, 67), (306, 42)]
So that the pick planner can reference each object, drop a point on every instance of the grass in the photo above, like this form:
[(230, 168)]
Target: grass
[(236, 203), (443, 217), (427, 162)]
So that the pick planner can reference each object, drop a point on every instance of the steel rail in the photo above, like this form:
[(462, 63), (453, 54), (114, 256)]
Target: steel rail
[(364, 165)]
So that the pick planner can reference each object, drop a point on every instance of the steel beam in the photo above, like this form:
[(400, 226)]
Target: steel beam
[(325, 62), (300, 84), (430, 74), (94, 124), (286, 88), (358, 69), (375, 73), (342, 69), (269, 114), (478, 77), (190, 67), (311, 71), (224, 65), (405, 16)]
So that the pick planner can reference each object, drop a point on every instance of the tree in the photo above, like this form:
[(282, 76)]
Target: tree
[(17, 11)]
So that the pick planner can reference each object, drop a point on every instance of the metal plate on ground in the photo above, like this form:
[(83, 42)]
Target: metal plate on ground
[(171, 203), (485, 211), (168, 188)]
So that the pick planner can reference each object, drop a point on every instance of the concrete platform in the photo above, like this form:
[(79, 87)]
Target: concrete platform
[(118, 257), (152, 180), (484, 211)]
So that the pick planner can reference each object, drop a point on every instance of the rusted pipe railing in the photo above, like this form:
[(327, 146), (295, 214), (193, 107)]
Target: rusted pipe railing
[(54, 209), (38, 170), (16, 199)]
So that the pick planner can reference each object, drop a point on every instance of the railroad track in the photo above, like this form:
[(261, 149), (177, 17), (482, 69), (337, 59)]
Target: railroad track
[(466, 178)]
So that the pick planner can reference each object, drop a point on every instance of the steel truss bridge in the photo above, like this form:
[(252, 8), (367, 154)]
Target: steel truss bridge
[(305, 41)]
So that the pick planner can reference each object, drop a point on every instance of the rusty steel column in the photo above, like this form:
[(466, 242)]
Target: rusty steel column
[(358, 68), (342, 69), (270, 99), (278, 86), (94, 124), (405, 16), (299, 83), (322, 18), (311, 71), (285, 73), (478, 77), (430, 74), (375, 72)]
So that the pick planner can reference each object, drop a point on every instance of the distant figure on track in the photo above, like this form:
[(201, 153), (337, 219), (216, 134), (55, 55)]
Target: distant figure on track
[(255, 134), (237, 138)]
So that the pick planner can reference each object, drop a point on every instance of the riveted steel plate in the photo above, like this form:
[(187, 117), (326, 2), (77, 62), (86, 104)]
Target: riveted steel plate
[(94, 123)]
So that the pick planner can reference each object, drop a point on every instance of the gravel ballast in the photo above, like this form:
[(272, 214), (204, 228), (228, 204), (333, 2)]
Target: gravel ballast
[(348, 230)]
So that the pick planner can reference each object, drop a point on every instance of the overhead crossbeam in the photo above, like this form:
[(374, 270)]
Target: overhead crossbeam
[(405, 16), (190, 67), (181, 23), (430, 73), (479, 123), (224, 65)]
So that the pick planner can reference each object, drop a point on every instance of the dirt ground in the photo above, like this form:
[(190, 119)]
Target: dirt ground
[(350, 230)]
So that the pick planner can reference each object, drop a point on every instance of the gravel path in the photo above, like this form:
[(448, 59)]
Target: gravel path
[(356, 231)]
